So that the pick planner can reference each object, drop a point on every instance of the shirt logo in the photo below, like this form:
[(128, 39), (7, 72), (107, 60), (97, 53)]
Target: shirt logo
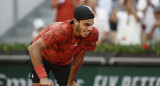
[(75, 44)]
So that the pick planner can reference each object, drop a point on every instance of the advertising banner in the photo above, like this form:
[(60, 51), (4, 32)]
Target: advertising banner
[(89, 75)]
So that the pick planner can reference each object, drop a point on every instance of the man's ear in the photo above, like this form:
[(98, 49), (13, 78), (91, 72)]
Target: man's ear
[(75, 21)]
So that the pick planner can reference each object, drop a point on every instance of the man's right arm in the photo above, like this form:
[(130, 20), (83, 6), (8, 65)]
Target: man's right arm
[(36, 58), (35, 52)]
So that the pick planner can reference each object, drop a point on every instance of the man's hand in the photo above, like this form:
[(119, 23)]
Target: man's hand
[(45, 82), (73, 84)]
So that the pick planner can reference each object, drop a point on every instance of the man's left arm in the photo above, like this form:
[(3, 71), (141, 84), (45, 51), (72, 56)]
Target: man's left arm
[(77, 62)]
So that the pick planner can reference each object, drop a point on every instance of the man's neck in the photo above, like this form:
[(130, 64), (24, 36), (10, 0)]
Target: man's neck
[(75, 31)]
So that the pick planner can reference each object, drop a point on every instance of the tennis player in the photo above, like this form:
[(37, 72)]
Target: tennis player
[(61, 47)]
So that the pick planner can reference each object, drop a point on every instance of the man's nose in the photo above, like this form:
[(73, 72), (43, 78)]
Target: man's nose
[(90, 28)]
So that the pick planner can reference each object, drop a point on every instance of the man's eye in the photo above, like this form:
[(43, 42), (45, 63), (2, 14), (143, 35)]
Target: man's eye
[(87, 25)]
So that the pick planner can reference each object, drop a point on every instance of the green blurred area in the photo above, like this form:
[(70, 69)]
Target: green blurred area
[(6, 48), (129, 49)]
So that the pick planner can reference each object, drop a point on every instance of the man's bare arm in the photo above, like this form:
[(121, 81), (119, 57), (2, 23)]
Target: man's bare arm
[(36, 58), (77, 62), (35, 52)]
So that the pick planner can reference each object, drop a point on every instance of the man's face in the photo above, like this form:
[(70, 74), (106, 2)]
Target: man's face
[(84, 27)]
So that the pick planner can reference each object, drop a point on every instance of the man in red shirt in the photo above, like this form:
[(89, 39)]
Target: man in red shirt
[(65, 8), (61, 48)]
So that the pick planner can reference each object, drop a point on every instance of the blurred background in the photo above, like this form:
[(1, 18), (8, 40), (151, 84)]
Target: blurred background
[(127, 52)]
